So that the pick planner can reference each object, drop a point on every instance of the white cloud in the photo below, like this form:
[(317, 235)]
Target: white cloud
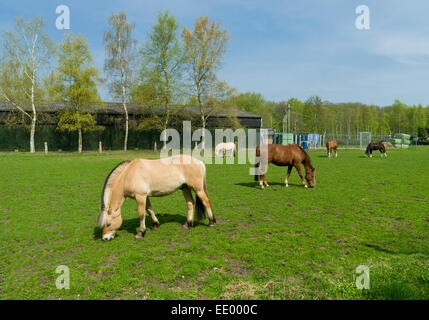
[(404, 48)]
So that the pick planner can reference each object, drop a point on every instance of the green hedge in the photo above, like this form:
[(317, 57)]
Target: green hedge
[(12, 138)]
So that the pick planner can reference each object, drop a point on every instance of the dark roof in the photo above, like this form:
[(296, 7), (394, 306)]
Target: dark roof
[(116, 108)]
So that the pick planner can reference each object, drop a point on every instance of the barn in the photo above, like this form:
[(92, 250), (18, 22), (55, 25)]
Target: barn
[(14, 127)]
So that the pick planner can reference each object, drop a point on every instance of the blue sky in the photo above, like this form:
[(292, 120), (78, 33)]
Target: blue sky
[(282, 49)]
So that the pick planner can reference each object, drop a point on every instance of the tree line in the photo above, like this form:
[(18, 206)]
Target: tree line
[(315, 115), (173, 68)]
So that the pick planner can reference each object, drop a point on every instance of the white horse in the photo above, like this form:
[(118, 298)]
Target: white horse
[(224, 147)]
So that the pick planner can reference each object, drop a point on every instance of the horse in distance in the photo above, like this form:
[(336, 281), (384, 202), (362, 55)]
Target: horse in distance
[(223, 147), (141, 179), (291, 156), (332, 145), (375, 146)]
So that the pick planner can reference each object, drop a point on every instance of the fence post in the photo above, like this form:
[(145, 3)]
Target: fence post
[(46, 148), (100, 147)]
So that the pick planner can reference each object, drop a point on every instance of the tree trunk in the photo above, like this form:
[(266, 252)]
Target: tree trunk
[(125, 110), (80, 140), (126, 127), (33, 120), (203, 135), (32, 131)]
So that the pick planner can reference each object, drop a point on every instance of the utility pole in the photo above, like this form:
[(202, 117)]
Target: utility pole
[(286, 119)]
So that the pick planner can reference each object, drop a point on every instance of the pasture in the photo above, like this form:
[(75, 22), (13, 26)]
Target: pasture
[(277, 243)]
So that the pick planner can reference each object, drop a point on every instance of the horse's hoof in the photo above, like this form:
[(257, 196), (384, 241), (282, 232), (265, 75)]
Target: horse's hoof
[(305, 186), (286, 185), (140, 235), (155, 226), (211, 224), (186, 226)]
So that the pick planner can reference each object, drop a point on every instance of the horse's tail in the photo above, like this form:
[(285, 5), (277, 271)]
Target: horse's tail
[(200, 209), (256, 168), (257, 154)]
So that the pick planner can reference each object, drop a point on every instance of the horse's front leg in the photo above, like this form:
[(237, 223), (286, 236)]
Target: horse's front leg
[(155, 222), (141, 206), (190, 202), (298, 168)]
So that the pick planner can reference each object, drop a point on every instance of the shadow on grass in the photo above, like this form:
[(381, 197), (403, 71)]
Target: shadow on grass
[(132, 225), (378, 248), (255, 185)]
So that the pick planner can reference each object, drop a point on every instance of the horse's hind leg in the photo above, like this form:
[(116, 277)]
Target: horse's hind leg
[(141, 205), (298, 168), (336, 152), (206, 202), (265, 181), (289, 170), (155, 222), (190, 202)]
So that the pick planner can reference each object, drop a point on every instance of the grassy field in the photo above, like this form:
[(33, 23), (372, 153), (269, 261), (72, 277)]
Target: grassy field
[(277, 243)]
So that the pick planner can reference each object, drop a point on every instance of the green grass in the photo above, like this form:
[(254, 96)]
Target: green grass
[(277, 243)]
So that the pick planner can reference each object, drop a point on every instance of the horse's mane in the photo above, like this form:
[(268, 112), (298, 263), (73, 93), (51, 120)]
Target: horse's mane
[(109, 181), (307, 157)]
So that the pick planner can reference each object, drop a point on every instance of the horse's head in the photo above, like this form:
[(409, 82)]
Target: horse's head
[(310, 176), (110, 220)]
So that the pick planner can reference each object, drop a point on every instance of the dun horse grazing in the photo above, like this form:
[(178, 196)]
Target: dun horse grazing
[(224, 147), (332, 145), (140, 179), (375, 146), (291, 155)]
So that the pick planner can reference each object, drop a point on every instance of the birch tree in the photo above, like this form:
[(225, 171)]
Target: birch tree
[(120, 48), (26, 51), (76, 85), (205, 47), (162, 70)]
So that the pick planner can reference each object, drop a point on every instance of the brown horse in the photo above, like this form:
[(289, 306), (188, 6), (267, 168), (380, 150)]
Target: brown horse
[(291, 155), (332, 145), (375, 146), (140, 179)]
